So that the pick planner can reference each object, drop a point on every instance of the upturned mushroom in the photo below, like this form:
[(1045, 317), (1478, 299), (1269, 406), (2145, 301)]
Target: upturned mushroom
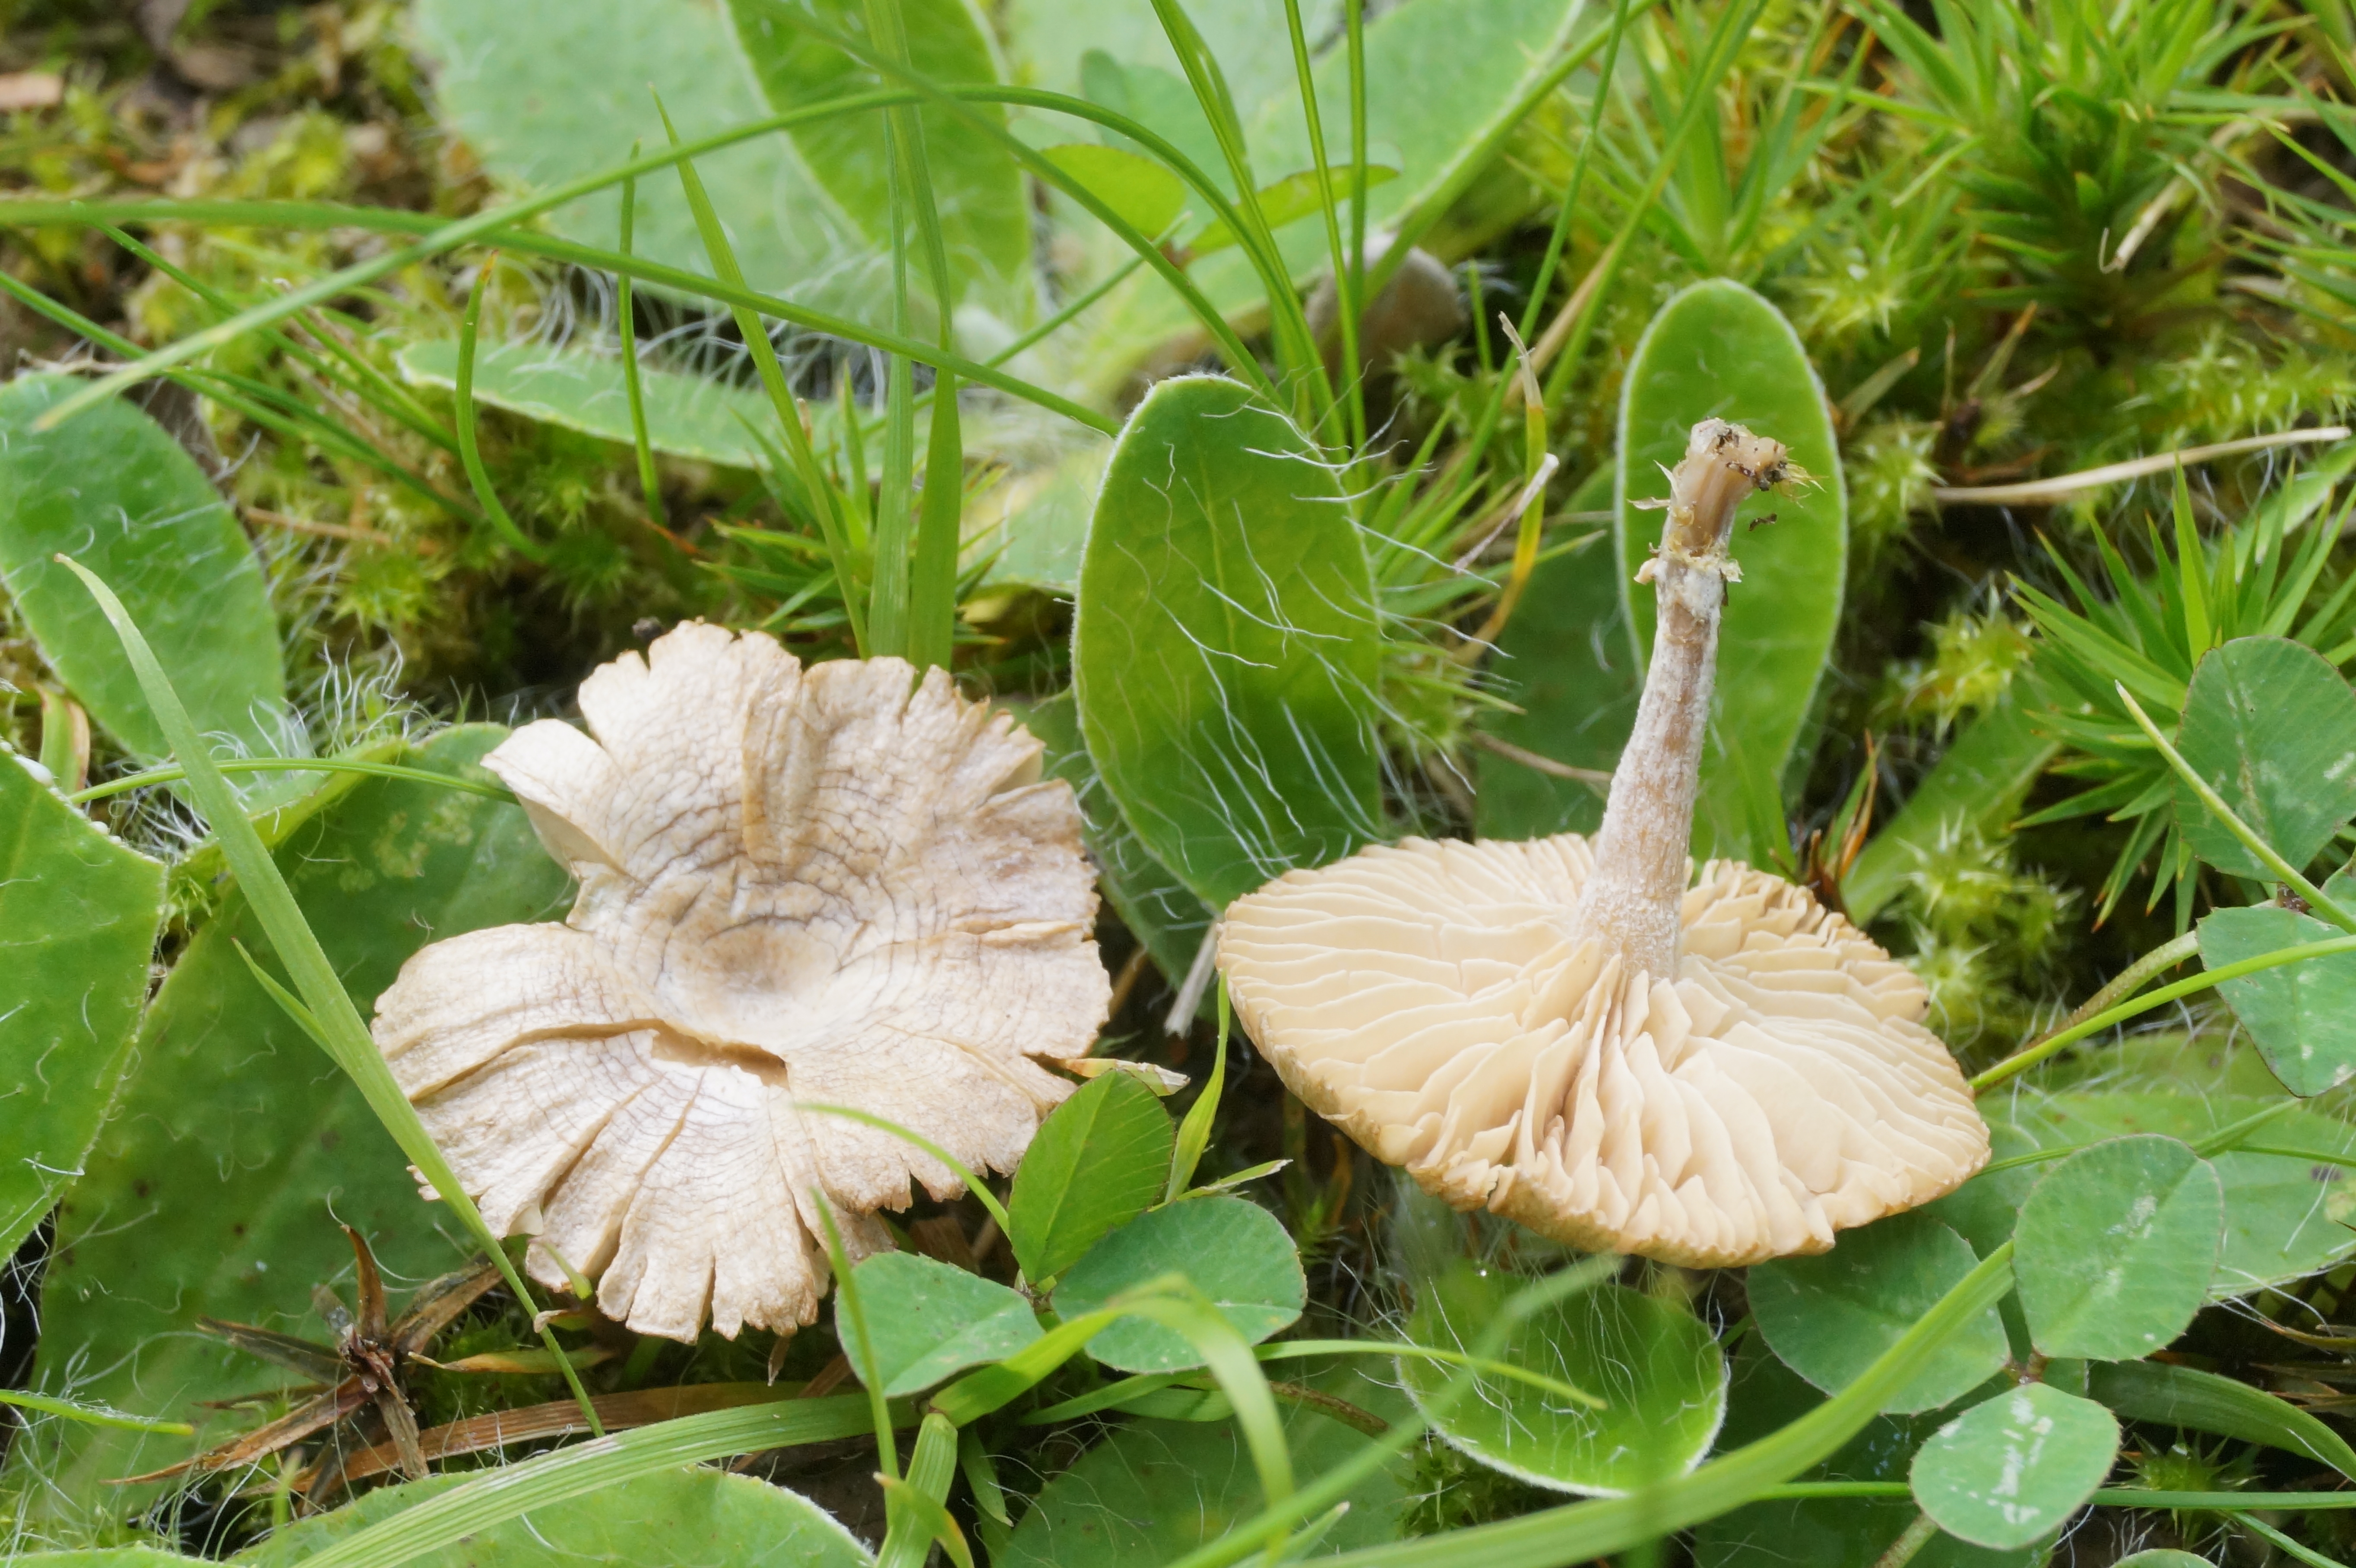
[(1585, 1038), (833, 885)]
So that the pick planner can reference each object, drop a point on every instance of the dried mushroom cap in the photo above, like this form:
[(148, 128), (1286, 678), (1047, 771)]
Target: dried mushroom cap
[(1438, 1003), (829, 885), (1575, 1036)]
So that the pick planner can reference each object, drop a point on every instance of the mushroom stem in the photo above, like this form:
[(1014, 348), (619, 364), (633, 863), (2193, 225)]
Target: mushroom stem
[(1633, 897)]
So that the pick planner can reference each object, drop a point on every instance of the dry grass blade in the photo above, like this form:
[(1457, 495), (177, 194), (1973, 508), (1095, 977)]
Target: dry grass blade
[(320, 1365), (437, 1305), (2044, 492), (294, 1426), (562, 1418)]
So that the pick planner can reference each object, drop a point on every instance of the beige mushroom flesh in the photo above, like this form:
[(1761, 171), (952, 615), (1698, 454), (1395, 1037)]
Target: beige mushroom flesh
[(836, 885), (1585, 1038)]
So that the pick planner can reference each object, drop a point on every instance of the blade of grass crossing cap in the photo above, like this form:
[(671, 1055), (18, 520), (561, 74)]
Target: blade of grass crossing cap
[(336, 1021)]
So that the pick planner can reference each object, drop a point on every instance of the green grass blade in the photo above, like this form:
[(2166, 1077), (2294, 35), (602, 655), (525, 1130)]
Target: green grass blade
[(463, 395), (1346, 316), (823, 497), (240, 396), (1195, 1132), (341, 1029), (1606, 1525), (914, 1506), (2189, 562), (550, 1478), (933, 579), (437, 237), (92, 1414), (633, 383), (956, 100), (858, 1345), (368, 382)]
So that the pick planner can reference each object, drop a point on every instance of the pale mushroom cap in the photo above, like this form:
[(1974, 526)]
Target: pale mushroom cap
[(831, 885), (1434, 1000)]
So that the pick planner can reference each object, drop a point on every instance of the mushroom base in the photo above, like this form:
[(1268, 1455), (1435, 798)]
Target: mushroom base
[(1439, 1004)]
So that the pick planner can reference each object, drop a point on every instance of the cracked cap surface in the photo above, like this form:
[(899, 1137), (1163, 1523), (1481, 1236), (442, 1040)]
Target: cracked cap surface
[(829, 885)]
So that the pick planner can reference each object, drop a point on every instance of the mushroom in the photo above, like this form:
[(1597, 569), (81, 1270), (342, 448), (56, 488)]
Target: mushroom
[(827, 886), (1582, 1037)]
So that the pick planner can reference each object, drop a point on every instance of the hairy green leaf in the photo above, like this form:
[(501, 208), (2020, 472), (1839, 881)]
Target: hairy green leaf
[(218, 1184), (78, 917), (1656, 1366), (1566, 662), (547, 91), (1158, 909), (114, 490), (689, 416), (1224, 645), (985, 220)]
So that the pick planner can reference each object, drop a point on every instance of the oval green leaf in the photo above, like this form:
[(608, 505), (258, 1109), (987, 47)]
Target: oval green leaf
[(1288, 200), (1233, 1250), (1718, 350), (670, 1519), (2302, 1016), (1827, 1318), (2277, 1190), (1134, 186), (977, 185), (2115, 1247), (926, 1319), (1565, 661), (78, 918), (1224, 648), (235, 1147), (1657, 1368), (1099, 1161), (1159, 910), (2195, 1401), (1764, 1397), (1152, 1491), (113, 489), (689, 416), (2015, 1468), (2271, 726), (545, 91)]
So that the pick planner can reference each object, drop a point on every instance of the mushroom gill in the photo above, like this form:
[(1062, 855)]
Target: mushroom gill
[(1583, 1038)]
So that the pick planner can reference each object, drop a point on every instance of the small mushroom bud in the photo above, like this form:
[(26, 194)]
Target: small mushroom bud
[(1582, 1037)]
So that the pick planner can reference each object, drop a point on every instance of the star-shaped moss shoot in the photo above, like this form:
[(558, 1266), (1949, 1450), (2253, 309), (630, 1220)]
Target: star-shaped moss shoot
[(826, 886)]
